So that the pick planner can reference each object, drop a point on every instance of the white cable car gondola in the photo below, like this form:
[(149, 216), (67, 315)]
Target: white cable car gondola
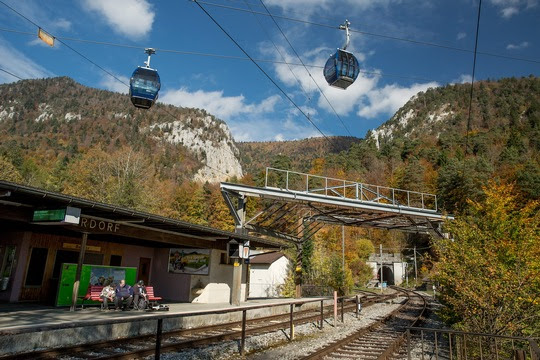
[(342, 68), (144, 84)]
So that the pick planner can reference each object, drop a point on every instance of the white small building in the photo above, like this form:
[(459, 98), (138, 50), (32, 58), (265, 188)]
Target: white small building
[(268, 271)]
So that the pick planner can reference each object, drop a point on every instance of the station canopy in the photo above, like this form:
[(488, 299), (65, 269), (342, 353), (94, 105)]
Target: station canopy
[(18, 204)]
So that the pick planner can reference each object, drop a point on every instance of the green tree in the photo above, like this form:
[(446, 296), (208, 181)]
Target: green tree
[(489, 273)]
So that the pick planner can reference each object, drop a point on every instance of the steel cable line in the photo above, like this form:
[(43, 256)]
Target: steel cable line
[(472, 83), (311, 76), (62, 42), (232, 57), (281, 55), (12, 74), (262, 70), (100, 67), (389, 37)]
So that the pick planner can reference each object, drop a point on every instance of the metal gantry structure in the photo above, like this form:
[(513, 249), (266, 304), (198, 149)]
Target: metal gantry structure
[(296, 205)]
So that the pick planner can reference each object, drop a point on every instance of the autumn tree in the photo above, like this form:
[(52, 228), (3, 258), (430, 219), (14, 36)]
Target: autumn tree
[(8, 172), (489, 273)]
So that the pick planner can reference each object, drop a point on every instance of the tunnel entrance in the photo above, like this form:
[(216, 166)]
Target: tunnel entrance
[(388, 275)]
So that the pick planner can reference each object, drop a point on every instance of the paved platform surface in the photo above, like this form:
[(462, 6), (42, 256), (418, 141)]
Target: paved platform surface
[(20, 315)]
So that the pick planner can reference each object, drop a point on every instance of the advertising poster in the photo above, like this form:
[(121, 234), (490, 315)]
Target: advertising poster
[(189, 261)]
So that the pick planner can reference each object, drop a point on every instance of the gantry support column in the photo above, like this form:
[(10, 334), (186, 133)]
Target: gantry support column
[(298, 270), (236, 288)]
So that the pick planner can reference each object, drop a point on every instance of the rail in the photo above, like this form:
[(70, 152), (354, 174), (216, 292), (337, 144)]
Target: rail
[(293, 181), (461, 345)]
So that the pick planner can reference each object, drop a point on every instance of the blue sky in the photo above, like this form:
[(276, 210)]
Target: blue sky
[(236, 91)]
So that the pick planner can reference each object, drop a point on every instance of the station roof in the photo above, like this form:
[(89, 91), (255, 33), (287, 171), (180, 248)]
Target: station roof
[(26, 199), (266, 258)]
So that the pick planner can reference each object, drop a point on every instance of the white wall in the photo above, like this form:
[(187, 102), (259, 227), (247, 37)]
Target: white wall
[(216, 286), (398, 273), (264, 279)]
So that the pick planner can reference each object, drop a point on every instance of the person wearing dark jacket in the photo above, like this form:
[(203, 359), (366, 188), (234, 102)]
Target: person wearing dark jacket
[(123, 292), (140, 297)]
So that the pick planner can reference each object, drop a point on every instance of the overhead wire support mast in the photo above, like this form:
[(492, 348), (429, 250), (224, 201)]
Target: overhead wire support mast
[(262, 70)]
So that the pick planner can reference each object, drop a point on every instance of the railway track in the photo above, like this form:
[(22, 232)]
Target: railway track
[(145, 345), (381, 340)]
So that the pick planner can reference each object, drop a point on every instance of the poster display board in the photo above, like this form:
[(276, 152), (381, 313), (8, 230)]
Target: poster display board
[(189, 261), (90, 275)]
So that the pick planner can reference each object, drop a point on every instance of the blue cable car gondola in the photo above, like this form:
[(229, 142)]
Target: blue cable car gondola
[(144, 84), (342, 68)]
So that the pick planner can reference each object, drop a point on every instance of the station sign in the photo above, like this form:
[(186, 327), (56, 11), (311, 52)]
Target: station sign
[(67, 215)]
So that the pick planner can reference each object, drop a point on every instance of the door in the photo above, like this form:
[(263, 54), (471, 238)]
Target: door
[(144, 270)]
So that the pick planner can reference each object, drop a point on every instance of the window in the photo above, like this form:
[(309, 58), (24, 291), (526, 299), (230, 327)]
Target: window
[(224, 259), (36, 267), (116, 260)]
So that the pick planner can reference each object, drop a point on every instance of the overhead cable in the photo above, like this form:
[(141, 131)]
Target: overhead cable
[(262, 70), (389, 37), (472, 82), (221, 56), (12, 74), (309, 73)]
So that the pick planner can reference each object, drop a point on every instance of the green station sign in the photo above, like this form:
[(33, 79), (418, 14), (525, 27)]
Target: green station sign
[(67, 215), (49, 215)]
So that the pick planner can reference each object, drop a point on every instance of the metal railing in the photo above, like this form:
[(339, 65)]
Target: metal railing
[(147, 317), (293, 181), (428, 343)]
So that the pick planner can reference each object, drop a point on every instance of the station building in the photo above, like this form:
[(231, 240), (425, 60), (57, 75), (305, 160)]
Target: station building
[(184, 262)]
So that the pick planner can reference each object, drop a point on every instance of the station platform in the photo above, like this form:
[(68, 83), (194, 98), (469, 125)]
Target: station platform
[(27, 327)]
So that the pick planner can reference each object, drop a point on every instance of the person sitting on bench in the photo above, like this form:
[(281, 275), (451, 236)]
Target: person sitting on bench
[(140, 296), (108, 294), (124, 292)]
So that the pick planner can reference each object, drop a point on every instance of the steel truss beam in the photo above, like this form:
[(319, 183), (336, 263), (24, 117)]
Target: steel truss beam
[(296, 216)]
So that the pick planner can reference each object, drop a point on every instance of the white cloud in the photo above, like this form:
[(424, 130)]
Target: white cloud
[(364, 96), (216, 103), (264, 129), (462, 79), (112, 84), (132, 18), (308, 7), (461, 35), (522, 45), (509, 8), (508, 12), (390, 98), (19, 64), (62, 24)]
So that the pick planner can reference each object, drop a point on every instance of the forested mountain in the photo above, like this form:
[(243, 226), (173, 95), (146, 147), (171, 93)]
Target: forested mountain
[(300, 153), (47, 120)]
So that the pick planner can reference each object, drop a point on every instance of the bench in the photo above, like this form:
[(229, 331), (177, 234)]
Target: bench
[(92, 294), (151, 297)]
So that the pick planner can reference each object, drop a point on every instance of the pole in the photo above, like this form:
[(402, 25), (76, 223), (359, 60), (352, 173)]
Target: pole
[(380, 253), (159, 331), (415, 268), (78, 273), (335, 308), (243, 340), (291, 325), (343, 247)]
